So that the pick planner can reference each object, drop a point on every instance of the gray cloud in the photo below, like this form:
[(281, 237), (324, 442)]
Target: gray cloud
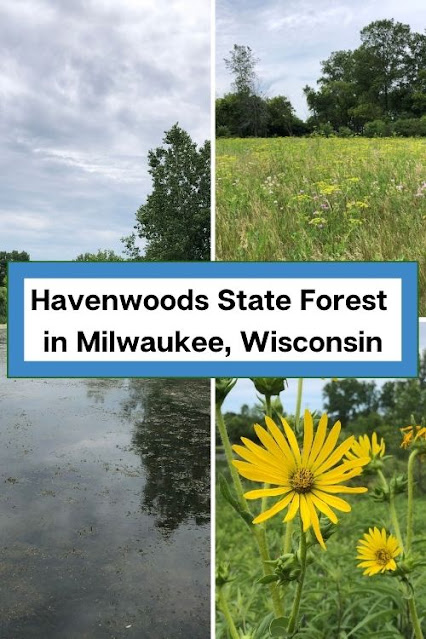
[(87, 87), (291, 37)]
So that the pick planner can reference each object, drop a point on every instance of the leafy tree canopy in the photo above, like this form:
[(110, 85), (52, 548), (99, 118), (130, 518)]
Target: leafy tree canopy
[(12, 256), (103, 255), (175, 219)]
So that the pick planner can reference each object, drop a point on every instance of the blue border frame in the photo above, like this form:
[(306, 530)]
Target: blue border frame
[(406, 271)]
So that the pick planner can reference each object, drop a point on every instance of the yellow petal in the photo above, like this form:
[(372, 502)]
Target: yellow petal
[(293, 508), (266, 492), (274, 510), (268, 442), (324, 508), (304, 513), (336, 456), (336, 502), (308, 437), (315, 521), (281, 441), (319, 439), (255, 474), (329, 445), (292, 441)]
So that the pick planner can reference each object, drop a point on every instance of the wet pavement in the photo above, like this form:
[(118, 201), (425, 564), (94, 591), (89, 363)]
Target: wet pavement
[(104, 508)]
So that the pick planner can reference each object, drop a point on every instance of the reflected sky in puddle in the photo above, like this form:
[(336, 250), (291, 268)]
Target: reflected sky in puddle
[(104, 508)]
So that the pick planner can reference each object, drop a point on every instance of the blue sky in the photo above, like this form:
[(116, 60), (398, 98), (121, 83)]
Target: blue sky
[(245, 393), (291, 37), (87, 87)]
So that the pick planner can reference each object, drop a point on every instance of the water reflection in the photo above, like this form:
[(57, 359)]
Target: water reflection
[(104, 506), (173, 443)]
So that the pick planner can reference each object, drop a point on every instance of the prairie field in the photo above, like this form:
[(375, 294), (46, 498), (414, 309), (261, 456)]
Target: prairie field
[(322, 199)]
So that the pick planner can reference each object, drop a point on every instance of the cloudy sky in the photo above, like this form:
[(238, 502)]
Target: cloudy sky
[(244, 391), (87, 87), (291, 37)]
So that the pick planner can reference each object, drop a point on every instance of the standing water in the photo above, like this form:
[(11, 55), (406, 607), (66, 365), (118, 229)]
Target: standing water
[(104, 507)]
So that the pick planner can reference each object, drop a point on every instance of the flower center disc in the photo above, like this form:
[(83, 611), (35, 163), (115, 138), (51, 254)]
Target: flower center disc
[(383, 556), (302, 481)]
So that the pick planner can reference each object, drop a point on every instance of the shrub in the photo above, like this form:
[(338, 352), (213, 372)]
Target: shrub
[(223, 131), (410, 127), (326, 130), (377, 129), (344, 132)]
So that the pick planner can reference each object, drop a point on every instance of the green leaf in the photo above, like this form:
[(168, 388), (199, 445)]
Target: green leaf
[(262, 629), (378, 615), (267, 579), (278, 627), (227, 494)]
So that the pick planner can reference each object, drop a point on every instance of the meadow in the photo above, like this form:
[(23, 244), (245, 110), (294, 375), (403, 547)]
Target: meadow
[(339, 602), (322, 199)]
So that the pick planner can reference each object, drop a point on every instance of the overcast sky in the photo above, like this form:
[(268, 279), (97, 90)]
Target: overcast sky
[(245, 393), (291, 37), (87, 87)]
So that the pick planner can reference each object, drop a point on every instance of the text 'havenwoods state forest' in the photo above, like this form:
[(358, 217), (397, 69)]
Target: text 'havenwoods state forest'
[(182, 341)]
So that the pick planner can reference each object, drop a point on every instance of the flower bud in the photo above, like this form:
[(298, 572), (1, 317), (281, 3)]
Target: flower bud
[(269, 385), (224, 385)]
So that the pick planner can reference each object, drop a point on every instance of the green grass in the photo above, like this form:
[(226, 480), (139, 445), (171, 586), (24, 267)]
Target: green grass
[(337, 597), (322, 199)]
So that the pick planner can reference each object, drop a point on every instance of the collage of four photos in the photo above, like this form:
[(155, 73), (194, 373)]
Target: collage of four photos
[(227, 508)]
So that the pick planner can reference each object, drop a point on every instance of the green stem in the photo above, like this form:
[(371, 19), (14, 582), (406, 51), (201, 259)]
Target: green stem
[(260, 536), (298, 594), (298, 403), (229, 457), (410, 503), (268, 406), (394, 519), (287, 536), (268, 413), (392, 509), (223, 605), (257, 530), (383, 480), (414, 618)]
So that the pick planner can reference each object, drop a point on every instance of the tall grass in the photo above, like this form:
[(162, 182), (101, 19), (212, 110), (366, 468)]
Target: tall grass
[(322, 199)]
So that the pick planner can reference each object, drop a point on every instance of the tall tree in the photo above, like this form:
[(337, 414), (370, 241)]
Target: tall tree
[(250, 113), (382, 59), (242, 64), (175, 219)]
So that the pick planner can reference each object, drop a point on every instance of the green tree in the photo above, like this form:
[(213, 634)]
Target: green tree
[(103, 255), (382, 61), (242, 64), (175, 219), (12, 256), (348, 399), (249, 113), (281, 116)]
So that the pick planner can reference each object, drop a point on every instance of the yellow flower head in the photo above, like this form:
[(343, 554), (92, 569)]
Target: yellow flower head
[(306, 479), (411, 434), (365, 447), (377, 552)]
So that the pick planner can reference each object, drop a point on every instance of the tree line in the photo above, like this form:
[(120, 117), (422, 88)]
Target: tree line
[(361, 406), (378, 89)]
